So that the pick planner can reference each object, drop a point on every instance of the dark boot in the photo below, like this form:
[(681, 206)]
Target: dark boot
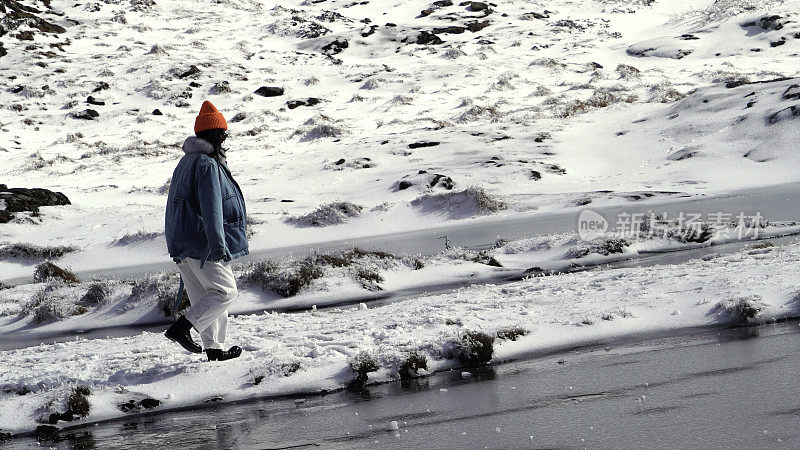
[(215, 354), (180, 333)]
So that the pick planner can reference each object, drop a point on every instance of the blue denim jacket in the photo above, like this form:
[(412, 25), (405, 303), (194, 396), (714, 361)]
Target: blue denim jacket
[(205, 217)]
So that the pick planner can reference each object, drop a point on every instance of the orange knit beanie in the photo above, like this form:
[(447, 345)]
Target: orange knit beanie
[(209, 118)]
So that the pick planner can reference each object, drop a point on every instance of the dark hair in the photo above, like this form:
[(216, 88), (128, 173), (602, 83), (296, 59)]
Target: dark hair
[(214, 136)]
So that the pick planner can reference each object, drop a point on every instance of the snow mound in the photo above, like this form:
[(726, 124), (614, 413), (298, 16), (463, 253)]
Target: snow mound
[(467, 203), (328, 214)]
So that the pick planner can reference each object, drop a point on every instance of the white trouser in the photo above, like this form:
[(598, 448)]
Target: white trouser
[(211, 291)]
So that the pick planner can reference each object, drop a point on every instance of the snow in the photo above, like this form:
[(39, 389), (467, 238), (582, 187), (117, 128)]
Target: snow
[(559, 311), (529, 109), (553, 105)]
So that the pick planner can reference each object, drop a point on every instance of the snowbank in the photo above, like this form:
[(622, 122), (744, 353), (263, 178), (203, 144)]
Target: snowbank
[(312, 351)]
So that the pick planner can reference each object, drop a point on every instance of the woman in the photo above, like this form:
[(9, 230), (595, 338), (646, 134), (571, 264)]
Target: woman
[(205, 230)]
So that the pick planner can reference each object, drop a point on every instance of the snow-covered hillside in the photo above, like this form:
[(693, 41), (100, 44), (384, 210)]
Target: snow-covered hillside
[(543, 104), (315, 351)]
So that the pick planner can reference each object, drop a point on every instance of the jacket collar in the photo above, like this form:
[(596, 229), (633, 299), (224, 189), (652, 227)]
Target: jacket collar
[(194, 144)]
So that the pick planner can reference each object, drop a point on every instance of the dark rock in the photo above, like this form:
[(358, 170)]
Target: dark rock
[(390, 24), (688, 37), (773, 22), (238, 117), (286, 200), (15, 15), (195, 84), (157, 112), (6, 216), (311, 101), (535, 175), (477, 26), (18, 89), (596, 65), (442, 3), (269, 91), (193, 70), (422, 144), (53, 418), (735, 83), (443, 181), (369, 31), (777, 43), (25, 36), (454, 29), (4, 436), (403, 185), (3, 51), (477, 6), (47, 433), (426, 12), (128, 407), (101, 86), (150, 403), (421, 172), (86, 114), (29, 200), (425, 38), (335, 47), (93, 101), (340, 162)]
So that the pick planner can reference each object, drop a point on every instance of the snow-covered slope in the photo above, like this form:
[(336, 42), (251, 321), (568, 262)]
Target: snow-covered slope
[(310, 351), (524, 99)]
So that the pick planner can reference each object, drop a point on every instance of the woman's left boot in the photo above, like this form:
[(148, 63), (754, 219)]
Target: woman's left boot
[(216, 354)]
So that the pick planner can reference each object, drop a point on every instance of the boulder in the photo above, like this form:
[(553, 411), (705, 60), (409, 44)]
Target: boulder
[(86, 114), (193, 70), (269, 91), (93, 101), (28, 200), (335, 47)]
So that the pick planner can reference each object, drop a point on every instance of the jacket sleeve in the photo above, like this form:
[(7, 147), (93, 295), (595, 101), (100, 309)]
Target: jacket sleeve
[(209, 194)]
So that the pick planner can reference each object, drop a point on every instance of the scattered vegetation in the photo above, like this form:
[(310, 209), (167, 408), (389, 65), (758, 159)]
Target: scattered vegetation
[(328, 214), (369, 276), (162, 287), (511, 334), (741, 310), (135, 238), (762, 245), (601, 246), (472, 348), (285, 281), (31, 251), (362, 364), (95, 295), (47, 270), (76, 406), (410, 366), (290, 276), (600, 99), (78, 401), (55, 301), (471, 201)]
